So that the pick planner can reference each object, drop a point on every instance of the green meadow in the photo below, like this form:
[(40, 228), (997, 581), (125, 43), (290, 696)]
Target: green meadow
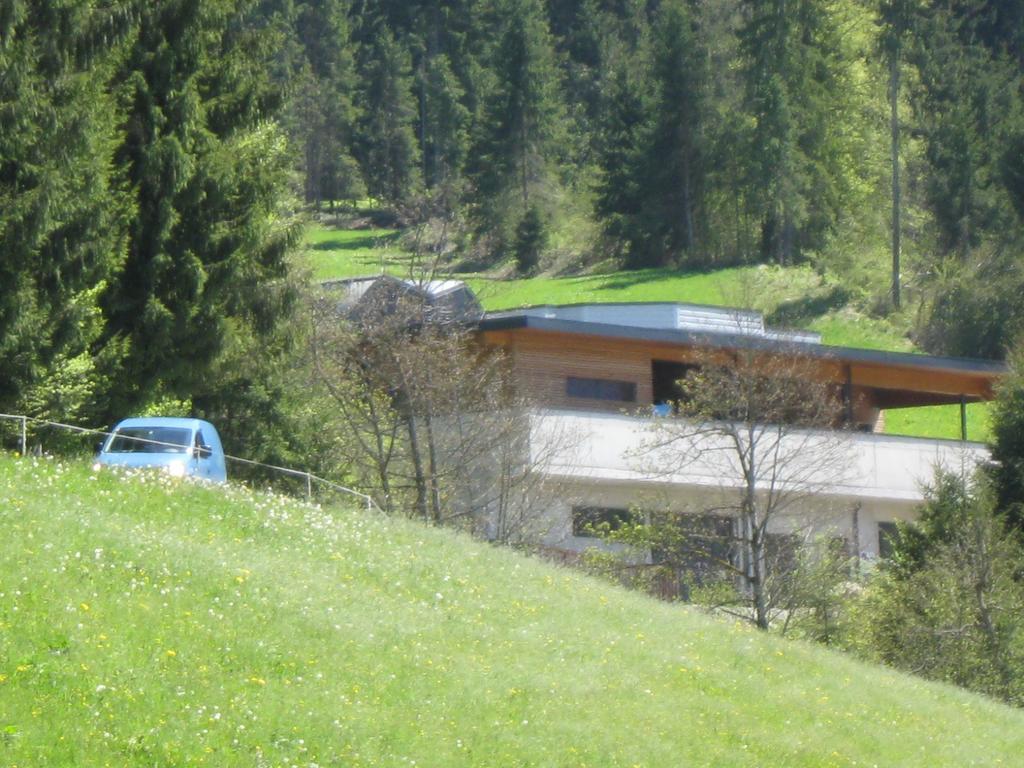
[(147, 622), (790, 297)]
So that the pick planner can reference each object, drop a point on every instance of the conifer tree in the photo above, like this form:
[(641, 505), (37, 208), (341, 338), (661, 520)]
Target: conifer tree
[(207, 237), (59, 203), (620, 190), (322, 114), (792, 84), (444, 120), (654, 162), (517, 139), (896, 19), (967, 103), (1007, 469), (674, 152), (388, 150)]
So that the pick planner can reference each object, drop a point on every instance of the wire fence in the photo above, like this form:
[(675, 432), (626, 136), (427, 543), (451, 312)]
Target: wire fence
[(26, 434)]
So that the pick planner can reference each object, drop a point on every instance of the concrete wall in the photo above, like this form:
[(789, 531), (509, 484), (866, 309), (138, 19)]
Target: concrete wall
[(602, 463)]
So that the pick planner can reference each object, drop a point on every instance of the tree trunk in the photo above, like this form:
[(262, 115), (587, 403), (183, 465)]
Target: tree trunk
[(894, 126), (435, 490), (417, 462)]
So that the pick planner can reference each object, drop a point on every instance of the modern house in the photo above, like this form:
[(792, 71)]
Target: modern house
[(601, 376), (602, 373)]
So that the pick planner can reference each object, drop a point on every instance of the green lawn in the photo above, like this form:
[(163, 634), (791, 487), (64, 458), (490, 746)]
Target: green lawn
[(792, 297), (940, 421), (760, 287), (145, 622), (335, 253)]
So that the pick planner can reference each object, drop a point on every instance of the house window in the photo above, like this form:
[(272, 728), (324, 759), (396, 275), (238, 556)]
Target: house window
[(700, 548), (594, 521), (887, 534), (601, 389), (781, 553)]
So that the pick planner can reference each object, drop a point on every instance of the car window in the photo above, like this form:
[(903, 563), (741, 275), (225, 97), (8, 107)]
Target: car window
[(150, 440)]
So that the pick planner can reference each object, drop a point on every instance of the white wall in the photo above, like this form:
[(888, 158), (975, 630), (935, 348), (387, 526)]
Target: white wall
[(602, 464), (617, 448)]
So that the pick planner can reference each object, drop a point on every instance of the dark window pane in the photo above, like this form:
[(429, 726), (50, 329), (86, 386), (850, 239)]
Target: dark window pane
[(601, 389), (781, 551), (887, 533), (150, 440), (697, 544)]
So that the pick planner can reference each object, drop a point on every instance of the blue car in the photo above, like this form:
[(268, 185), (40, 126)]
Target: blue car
[(181, 447)]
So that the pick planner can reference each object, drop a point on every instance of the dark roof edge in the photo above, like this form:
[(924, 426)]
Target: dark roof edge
[(738, 341)]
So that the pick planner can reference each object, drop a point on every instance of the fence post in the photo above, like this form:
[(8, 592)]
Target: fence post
[(24, 436), (309, 487)]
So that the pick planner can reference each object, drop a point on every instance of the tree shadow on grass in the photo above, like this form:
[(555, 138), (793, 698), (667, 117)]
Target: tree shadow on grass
[(365, 242), (803, 310), (630, 278)]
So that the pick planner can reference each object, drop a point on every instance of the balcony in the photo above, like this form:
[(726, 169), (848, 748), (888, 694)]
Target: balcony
[(623, 449)]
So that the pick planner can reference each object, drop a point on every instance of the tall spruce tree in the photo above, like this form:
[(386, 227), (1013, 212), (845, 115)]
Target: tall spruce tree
[(653, 158), (388, 150), (444, 121), (621, 192), (969, 108), (792, 83), (207, 237), (968, 103), (321, 113), (59, 205), (517, 140)]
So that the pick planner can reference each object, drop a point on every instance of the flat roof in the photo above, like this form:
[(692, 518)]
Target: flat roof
[(507, 321)]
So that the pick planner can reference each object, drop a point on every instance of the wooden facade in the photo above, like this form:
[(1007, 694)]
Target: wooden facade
[(545, 360)]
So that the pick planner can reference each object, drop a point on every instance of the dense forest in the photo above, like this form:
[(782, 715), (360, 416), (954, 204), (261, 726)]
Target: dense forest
[(873, 139), (156, 159)]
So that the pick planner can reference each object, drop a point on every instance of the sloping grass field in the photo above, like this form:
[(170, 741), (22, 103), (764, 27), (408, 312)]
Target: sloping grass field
[(791, 296), (146, 622)]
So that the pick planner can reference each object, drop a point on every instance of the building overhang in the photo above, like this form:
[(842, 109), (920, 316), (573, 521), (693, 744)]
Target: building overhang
[(897, 379)]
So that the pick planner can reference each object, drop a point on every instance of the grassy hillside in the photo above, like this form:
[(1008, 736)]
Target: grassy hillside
[(145, 622), (795, 296)]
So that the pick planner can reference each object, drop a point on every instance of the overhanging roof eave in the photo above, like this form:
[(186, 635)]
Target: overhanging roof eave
[(511, 321)]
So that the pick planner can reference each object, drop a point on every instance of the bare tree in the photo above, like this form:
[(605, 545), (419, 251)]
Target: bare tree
[(760, 430), (432, 425)]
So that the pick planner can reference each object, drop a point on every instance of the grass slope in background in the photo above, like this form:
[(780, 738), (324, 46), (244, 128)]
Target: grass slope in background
[(336, 253), (153, 623)]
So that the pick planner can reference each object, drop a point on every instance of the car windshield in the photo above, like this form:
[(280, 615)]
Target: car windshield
[(150, 440)]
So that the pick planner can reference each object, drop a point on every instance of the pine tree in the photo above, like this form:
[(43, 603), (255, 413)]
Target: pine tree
[(1007, 469), (620, 189), (388, 150), (207, 238), (792, 84), (59, 202), (444, 121), (674, 157), (654, 155), (518, 138), (967, 103), (320, 115)]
